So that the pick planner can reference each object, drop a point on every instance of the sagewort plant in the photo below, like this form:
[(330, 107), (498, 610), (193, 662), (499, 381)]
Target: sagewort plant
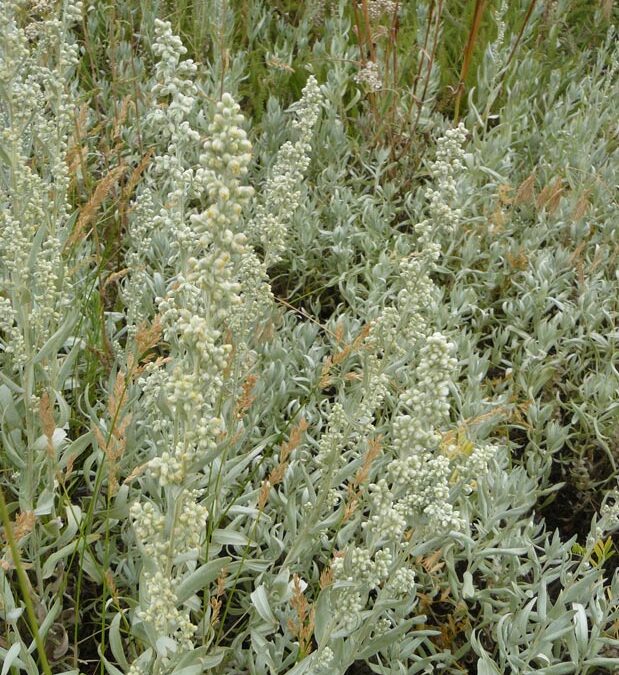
[(357, 529), (39, 327), (311, 482)]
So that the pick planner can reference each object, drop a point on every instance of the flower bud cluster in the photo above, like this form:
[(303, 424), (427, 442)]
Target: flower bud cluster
[(402, 583), (174, 79), (358, 566), (387, 521), (499, 17), (449, 160), (415, 489), (417, 484), (179, 399), (379, 8), (609, 514), (369, 76), (164, 538), (136, 669), (322, 661), (256, 297), (37, 114), (149, 524), (471, 467), (375, 390), (170, 468), (167, 127), (136, 290), (161, 611), (157, 535), (282, 192), (215, 285), (383, 334), (333, 441), (418, 295), (435, 370), (13, 342), (347, 608), (224, 163), (419, 475)]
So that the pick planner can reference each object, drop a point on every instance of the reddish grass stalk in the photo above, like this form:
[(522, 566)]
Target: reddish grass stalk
[(527, 18), (480, 6), (430, 58)]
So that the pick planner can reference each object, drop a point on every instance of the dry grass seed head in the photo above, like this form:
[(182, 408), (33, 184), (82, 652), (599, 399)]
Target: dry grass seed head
[(582, 206), (295, 438), (24, 524), (303, 627), (353, 491), (48, 424), (118, 397), (132, 183), (215, 601), (526, 191), (247, 398), (519, 261), (120, 117), (338, 357), (504, 193), (147, 338), (550, 196), (89, 210), (263, 496), (326, 578)]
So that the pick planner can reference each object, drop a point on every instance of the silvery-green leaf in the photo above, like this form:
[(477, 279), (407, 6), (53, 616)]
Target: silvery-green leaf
[(65, 552), (468, 591), (213, 659), (10, 657), (55, 342), (371, 647), (116, 643), (580, 625), (231, 538), (9, 416), (322, 617), (196, 669), (260, 601), (72, 450), (200, 578), (109, 667), (14, 614), (487, 667), (165, 645)]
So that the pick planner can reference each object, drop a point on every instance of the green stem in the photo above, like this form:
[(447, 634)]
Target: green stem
[(23, 584)]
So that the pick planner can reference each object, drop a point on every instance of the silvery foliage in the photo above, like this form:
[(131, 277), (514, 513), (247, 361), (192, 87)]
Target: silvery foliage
[(538, 277), (39, 342), (215, 283), (204, 490), (548, 300), (453, 523), (37, 321), (329, 246), (190, 427)]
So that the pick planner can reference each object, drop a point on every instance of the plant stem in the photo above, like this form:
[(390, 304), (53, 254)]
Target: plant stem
[(24, 584)]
